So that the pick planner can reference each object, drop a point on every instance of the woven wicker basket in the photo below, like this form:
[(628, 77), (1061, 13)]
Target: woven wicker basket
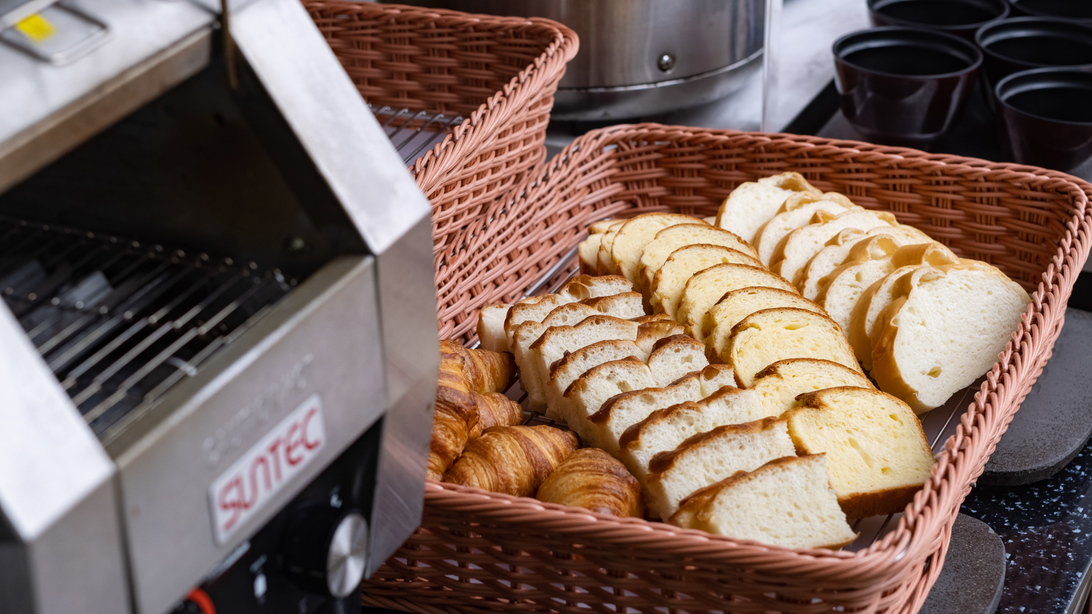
[(500, 73), (484, 552)]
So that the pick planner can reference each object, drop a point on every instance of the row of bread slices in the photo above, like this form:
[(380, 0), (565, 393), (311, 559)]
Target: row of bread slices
[(924, 322), (633, 386)]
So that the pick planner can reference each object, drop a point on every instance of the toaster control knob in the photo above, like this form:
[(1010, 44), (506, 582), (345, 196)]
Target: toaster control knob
[(326, 551)]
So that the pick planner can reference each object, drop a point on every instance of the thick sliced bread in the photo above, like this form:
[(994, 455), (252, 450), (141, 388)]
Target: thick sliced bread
[(623, 410), (565, 371), (669, 281), (868, 262), (798, 211), (876, 450), (944, 329), (836, 250), (630, 241), (752, 203), (531, 311), (588, 393), (672, 238), (557, 341), (651, 332), (800, 245), (604, 263), (675, 356), (627, 305), (583, 287), (588, 252), (786, 502), (738, 304), (778, 385), (491, 327), (715, 377), (770, 335), (664, 429), (707, 458), (705, 288)]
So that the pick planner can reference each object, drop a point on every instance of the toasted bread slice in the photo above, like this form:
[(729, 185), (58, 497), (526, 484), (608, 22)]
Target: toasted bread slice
[(752, 203), (565, 371), (738, 304), (945, 329), (668, 284), (590, 391), (707, 458), (675, 356), (798, 211), (664, 429), (786, 502), (770, 335), (632, 237), (705, 288), (625, 409), (672, 238), (557, 341), (800, 245), (876, 450), (779, 384)]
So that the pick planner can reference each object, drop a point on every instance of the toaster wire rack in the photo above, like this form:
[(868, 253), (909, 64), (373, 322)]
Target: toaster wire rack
[(120, 321), (939, 424)]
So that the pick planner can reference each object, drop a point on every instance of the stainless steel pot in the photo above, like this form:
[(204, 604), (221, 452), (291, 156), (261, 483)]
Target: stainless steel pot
[(643, 57)]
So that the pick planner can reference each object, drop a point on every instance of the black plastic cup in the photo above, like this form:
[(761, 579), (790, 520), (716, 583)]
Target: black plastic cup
[(1046, 116), (903, 86), (1025, 43), (960, 17), (1079, 10)]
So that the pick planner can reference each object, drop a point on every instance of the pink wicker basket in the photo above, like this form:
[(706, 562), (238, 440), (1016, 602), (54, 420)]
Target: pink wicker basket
[(484, 552)]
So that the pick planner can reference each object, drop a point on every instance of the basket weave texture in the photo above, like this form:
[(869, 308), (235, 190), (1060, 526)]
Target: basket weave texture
[(500, 73), (485, 552)]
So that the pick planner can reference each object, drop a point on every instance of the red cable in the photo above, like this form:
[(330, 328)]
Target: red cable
[(203, 601)]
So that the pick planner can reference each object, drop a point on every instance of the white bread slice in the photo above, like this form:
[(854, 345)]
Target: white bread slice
[(798, 211), (715, 377), (565, 371), (868, 262), (605, 265), (787, 502), (738, 304), (630, 241), (669, 281), (601, 226), (491, 327), (588, 252), (837, 249), (944, 330), (588, 393), (675, 356), (530, 311), (876, 450), (778, 385), (711, 219), (627, 305), (557, 341), (752, 203), (623, 410), (705, 288), (570, 314), (800, 245), (770, 335), (656, 252), (651, 332), (664, 429), (707, 458), (583, 287)]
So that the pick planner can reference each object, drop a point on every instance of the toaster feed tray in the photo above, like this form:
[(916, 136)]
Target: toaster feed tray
[(118, 321)]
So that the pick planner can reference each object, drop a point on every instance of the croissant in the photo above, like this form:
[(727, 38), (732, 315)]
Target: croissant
[(456, 417), (594, 480), (495, 409), (484, 370), (512, 459)]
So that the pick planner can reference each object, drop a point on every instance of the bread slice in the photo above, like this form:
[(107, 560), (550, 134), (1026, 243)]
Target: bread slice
[(786, 502), (583, 287), (588, 393), (798, 211), (868, 262), (632, 237), (707, 458), (557, 341), (876, 450), (491, 327), (531, 311), (834, 253), (669, 281), (565, 371), (778, 385), (738, 304), (656, 252), (675, 356), (627, 305), (625, 409), (800, 245), (705, 288), (945, 329), (588, 252), (664, 429), (770, 335), (715, 377), (604, 262), (752, 203), (651, 332)]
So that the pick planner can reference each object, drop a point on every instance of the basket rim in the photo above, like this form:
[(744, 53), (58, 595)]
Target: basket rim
[(887, 556)]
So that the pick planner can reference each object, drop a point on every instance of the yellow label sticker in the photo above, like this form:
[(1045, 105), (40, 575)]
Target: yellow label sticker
[(36, 28)]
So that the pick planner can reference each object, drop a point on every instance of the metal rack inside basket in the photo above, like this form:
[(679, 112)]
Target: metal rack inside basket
[(414, 132), (939, 424)]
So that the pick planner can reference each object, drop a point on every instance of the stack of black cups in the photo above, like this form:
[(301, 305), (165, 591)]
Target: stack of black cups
[(906, 81)]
